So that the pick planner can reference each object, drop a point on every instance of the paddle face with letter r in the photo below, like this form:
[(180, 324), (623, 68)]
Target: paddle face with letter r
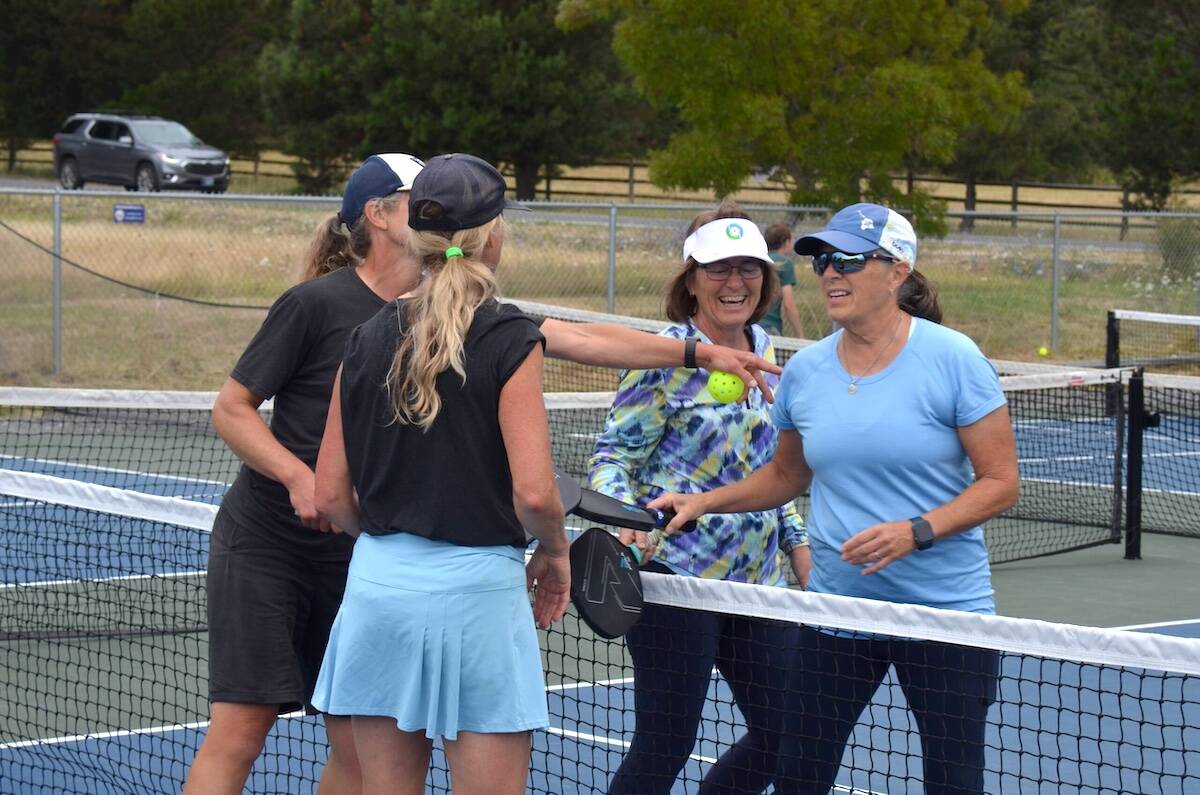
[(606, 586)]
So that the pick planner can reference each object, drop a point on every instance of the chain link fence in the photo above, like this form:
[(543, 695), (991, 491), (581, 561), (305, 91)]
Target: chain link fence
[(91, 298)]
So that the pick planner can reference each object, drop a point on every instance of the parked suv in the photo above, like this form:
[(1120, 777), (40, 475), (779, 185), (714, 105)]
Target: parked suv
[(140, 152)]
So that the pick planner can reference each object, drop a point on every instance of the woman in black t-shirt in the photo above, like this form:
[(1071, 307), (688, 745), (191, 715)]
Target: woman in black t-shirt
[(274, 584), (437, 453)]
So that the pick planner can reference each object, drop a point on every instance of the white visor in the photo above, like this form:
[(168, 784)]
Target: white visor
[(725, 238)]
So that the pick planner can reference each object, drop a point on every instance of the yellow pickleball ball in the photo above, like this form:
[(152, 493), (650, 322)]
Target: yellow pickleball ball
[(725, 387), (1043, 351)]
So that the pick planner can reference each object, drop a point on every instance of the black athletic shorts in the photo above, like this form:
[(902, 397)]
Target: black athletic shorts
[(270, 610)]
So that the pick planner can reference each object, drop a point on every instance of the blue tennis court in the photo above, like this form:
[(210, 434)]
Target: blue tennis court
[(1067, 734)]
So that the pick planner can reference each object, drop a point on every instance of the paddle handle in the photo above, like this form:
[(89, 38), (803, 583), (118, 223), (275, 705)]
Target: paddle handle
[(662, 519)]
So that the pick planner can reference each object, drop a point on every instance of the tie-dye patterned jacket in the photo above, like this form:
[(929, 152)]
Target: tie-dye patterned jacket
[(666, 433)]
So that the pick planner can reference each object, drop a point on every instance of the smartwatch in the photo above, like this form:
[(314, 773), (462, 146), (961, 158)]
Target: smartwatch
[(922, 533), (689, 352)]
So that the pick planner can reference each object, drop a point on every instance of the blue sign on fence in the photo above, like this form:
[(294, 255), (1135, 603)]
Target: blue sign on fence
[(129, 214)]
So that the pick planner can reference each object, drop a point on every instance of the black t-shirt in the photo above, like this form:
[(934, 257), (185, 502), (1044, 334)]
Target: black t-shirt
[(294, 358), (452, 482)]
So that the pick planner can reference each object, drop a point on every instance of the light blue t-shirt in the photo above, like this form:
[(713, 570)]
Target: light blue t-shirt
[(889, 452)]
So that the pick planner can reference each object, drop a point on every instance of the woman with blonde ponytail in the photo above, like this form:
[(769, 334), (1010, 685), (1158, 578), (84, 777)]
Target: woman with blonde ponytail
[(436, 456)]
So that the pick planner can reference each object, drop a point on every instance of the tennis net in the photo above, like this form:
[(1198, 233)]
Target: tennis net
[(1164, 418), (1158, 342), (102, 650), (105, 502)]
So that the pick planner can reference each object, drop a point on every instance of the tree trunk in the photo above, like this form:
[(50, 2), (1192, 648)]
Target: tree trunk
[(526, 173), (12, 154)]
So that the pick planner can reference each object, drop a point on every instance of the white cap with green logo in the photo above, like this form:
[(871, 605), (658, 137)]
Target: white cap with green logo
[(725, 238)]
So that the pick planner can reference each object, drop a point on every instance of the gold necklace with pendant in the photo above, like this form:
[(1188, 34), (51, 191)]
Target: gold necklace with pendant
[(853, 387)]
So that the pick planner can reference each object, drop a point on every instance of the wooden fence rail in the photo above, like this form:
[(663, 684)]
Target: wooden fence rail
[(628, 181)]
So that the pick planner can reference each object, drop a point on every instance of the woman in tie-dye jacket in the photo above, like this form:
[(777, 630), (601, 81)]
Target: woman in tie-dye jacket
[(666, 433)]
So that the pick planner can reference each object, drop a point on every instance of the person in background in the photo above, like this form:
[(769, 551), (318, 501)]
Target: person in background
[(779, 242), (666, 433), (274, 585), (900, 427), (437, 449)]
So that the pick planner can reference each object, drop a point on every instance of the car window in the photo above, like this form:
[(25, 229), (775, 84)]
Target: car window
[(121, 129), (72, 126), (164, 133), (104, 131)]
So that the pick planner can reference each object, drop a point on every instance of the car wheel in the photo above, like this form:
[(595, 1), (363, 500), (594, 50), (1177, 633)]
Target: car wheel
[(146, 178), (68, 174)]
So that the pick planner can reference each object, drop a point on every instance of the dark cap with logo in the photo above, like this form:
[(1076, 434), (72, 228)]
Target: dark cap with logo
[(457, 191)]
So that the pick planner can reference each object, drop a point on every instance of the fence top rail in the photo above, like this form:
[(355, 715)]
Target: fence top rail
[(186, 195), (609, 205)]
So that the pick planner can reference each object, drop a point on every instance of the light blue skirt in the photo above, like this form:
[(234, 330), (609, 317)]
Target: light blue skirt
[(438, 636)]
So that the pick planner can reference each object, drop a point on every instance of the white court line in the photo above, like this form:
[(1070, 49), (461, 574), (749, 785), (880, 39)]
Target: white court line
[(117, 470), (99, 580), (1058, 458), (583, 685), (78, 738), (1158, 624), (1174, 492)]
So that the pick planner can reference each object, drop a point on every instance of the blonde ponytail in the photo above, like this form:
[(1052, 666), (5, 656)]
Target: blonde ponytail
[(438, 319)]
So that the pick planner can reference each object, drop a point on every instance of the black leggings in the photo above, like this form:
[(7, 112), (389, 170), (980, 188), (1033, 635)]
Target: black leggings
[(673, 652), (949, 689)]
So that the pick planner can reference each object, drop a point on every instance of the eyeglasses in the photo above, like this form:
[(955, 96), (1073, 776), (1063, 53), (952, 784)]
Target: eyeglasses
[(719, 271), (845, 263)]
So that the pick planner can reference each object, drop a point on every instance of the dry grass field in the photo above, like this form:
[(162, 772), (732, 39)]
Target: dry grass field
[(995, 283)]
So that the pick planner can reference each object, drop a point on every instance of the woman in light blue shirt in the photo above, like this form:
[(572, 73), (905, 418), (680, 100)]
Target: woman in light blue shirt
[(901, 429)]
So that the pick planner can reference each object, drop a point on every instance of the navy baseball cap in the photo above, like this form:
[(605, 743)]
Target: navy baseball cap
[(378, 176), (861, 229), (468, 190)]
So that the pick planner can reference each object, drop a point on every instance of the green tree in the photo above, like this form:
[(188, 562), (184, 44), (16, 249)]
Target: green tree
[(837, 96), (56, 57), (1152, 100), (502, 82), (314, 82), (194, 61), (1059, 47)]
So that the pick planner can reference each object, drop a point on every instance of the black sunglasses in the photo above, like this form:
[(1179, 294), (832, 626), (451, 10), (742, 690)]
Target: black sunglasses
[(845, 263)]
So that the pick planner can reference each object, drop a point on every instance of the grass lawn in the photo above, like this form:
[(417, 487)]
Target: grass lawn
[(995, 285)]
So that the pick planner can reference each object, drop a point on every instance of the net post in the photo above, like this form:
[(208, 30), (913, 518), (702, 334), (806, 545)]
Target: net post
[(1112, 341), (1112, 358), (1133, 472)]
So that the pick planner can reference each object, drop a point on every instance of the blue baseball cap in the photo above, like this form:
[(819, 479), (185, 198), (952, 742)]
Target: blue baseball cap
[(863, 228), (378, 176)]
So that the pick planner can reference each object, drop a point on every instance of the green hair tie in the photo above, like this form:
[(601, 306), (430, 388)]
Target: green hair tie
[(453, 251)]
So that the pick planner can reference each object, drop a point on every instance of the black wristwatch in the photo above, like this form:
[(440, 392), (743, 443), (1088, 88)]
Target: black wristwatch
[(689, 352), (922, 533)]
